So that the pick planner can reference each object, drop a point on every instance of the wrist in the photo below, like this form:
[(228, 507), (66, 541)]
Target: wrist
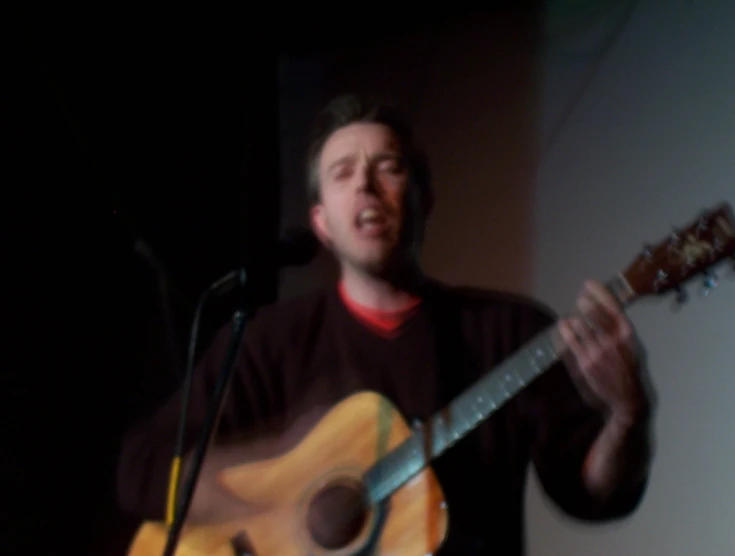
[(627, 426), (631, 415)]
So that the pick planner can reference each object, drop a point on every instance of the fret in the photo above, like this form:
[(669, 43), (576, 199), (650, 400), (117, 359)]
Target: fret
[(536, 361), (462, 421), (438, 435), (512, 381), (494, 390), (502, 390), (483, 404), (618, 286)]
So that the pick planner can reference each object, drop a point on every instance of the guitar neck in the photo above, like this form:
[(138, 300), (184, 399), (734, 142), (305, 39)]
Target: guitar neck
[(472, 407)]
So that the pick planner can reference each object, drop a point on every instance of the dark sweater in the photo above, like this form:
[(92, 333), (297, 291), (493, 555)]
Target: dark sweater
[(312, 351)]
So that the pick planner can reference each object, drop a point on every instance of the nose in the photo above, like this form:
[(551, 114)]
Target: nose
[(366, 178)]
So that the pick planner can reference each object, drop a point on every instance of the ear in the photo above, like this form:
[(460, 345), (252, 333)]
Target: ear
[(318, 220)]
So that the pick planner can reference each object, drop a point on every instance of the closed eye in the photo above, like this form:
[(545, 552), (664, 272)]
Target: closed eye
[(392, 164)]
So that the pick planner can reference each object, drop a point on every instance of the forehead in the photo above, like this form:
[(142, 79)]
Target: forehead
[(359, 138)]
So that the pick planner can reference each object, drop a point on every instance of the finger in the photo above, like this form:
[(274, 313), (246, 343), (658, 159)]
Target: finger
[(602, 295), (604, 299), (584, 319), (586, 336), (574, 336), (629, 349), (573, 351), (592, 315), (610, 319)]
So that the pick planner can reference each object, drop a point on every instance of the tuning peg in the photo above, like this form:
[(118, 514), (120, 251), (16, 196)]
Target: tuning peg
[(710, 282), (681, 297), (703, 219)]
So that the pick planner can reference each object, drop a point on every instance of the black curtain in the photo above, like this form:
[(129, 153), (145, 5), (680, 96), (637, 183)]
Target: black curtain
[(120, 131)]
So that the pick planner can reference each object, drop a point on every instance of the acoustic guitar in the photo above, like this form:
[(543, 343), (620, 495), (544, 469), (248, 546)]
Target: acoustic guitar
[(374, 482)]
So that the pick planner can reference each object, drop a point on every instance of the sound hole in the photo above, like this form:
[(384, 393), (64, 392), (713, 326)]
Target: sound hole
[(337, 514)]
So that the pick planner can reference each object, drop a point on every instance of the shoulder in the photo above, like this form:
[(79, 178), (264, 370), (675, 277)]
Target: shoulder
[(286, 319), (295, 307), (486, 303)]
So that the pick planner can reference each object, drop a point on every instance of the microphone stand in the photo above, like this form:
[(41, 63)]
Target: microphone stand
[(212, 417)]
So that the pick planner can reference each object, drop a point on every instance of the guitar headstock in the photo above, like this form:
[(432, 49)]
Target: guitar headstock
[(686, 253)]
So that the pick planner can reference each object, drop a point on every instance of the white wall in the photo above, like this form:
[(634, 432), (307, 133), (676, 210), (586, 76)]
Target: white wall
[(651, 143), (628, 130)]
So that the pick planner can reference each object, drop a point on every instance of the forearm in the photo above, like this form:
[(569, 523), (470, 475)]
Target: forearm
[(145, 472), (620, 457), (211, 501)]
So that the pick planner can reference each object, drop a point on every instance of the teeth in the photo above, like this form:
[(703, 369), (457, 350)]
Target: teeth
[(368, 214)]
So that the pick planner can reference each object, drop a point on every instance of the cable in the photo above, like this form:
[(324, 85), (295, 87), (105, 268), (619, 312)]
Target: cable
[(220, 287), (175, 475)]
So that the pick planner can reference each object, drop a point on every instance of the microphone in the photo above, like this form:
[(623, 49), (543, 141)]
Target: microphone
[(298, 247)]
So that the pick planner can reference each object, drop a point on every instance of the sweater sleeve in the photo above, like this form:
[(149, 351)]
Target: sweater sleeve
[(563, 429), (148, 448)]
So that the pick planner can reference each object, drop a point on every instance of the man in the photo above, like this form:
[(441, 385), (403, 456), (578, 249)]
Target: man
[(387, 327)]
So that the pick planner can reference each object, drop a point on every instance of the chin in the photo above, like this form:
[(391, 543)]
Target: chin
[(383, 263), (373, 265)]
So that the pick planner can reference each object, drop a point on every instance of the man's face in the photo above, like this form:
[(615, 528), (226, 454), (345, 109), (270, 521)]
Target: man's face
[(363, 184)]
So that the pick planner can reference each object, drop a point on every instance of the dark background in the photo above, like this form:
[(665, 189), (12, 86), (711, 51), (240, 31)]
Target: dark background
[(138, 124)]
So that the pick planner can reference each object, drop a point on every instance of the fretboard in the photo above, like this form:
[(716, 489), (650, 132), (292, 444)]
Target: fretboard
[(470, 408), (461, 416)]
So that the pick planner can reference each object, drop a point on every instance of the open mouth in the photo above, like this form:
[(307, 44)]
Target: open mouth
[(371, 221)]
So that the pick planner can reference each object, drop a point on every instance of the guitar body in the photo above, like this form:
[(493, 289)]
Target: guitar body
[(322, 471)]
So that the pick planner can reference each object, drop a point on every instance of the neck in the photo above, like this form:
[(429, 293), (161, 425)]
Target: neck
[(381, 293)]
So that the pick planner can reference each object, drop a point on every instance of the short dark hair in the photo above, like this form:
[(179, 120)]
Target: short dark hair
[(348, 109)]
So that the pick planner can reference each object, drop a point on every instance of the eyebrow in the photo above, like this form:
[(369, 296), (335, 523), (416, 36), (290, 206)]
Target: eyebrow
[(385, 155), (340, 161)]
